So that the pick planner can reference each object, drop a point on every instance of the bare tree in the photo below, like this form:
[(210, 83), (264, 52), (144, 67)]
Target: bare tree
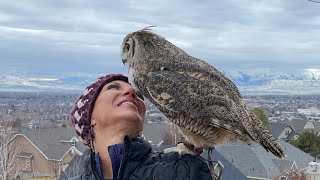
[(74, 167), (292, 173), (9, 149), (55, 167)]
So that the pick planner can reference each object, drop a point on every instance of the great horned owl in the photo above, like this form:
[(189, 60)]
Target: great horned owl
[(206, 106)]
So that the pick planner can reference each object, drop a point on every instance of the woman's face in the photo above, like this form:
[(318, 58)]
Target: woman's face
[(119, 106)]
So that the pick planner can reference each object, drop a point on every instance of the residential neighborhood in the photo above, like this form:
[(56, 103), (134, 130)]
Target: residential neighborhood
[(47, 146)]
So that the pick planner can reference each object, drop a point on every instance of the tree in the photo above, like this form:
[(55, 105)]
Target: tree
[(64, 125), (292, 175), (260, 114), (9, 168), (55, 167), (74, 168), (309, 142), (16, 123)]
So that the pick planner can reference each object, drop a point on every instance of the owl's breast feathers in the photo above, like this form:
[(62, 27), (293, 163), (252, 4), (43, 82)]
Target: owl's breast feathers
[(191, 94)]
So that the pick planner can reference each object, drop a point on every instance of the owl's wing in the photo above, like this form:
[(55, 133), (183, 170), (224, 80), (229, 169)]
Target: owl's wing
[(195, 95)]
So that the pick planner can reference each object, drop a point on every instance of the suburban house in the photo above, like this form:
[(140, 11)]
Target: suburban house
[(290, 130), (284, 131), (301, 125), (254, 162), (46, 152)]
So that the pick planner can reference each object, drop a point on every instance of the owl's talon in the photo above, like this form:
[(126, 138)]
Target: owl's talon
[(181, 148)]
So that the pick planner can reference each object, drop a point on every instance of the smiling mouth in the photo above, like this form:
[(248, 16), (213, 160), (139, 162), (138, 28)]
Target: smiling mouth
[(129, 103)]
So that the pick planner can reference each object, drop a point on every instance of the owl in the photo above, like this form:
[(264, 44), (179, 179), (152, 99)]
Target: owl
[(206, 106)]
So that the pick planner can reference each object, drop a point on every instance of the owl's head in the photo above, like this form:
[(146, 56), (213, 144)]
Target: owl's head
[(145, 48)]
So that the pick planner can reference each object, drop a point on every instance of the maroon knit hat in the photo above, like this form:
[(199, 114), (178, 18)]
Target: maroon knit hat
[(82, 110)]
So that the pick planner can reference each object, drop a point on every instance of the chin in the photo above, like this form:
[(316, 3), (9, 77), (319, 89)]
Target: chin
[(132, 117)]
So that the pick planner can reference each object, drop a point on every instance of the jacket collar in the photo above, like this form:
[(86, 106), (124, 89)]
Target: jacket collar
[(135, 149)]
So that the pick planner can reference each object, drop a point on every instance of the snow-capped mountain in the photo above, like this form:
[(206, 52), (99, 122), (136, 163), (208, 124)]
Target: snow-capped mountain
[(277, 82), (69, 84), (259, 78), (248, 82)]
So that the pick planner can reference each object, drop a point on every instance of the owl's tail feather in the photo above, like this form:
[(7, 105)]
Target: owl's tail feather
[(263, 136), (270, 144)]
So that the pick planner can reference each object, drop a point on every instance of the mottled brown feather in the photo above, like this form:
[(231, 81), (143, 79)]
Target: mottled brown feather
[(194, 95)]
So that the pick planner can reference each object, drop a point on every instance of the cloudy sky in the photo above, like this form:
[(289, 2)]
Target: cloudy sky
[(54, 39)]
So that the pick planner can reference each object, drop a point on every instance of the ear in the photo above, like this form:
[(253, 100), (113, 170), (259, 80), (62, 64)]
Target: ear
[(93, 122)]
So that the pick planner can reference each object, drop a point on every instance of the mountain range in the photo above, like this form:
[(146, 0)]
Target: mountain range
[(249, 83), (276, 82)]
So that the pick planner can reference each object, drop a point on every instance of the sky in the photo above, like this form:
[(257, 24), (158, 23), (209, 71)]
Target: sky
[(54, 39)]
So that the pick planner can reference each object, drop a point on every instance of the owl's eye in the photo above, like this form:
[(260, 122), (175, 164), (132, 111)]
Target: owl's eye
[(127, 47)]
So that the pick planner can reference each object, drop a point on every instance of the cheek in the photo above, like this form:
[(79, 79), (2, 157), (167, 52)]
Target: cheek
[(143, 107), (101, 109)]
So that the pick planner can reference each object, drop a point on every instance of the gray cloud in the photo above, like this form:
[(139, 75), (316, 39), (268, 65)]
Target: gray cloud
[(78, 36)]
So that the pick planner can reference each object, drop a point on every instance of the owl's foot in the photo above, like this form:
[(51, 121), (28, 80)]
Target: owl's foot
[(184, 148)]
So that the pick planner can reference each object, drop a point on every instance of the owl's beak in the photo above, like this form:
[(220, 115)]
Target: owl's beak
[(124, 61)]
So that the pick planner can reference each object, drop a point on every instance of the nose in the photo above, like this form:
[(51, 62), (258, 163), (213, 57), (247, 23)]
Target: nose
[(131, 92)]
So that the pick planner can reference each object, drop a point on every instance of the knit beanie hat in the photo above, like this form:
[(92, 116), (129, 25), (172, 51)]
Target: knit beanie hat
[(82, 110)]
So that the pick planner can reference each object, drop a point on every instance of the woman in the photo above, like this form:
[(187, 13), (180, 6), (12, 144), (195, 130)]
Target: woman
[(109, 118)]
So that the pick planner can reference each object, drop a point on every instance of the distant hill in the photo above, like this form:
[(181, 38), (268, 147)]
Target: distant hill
[(249, 83), (274, 82), (261, 78)]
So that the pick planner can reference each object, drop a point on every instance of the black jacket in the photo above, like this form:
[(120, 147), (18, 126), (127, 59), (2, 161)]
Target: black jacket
[(139, 162)]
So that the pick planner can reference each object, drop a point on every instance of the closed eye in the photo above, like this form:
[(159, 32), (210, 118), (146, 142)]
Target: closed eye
[(113, 86)]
